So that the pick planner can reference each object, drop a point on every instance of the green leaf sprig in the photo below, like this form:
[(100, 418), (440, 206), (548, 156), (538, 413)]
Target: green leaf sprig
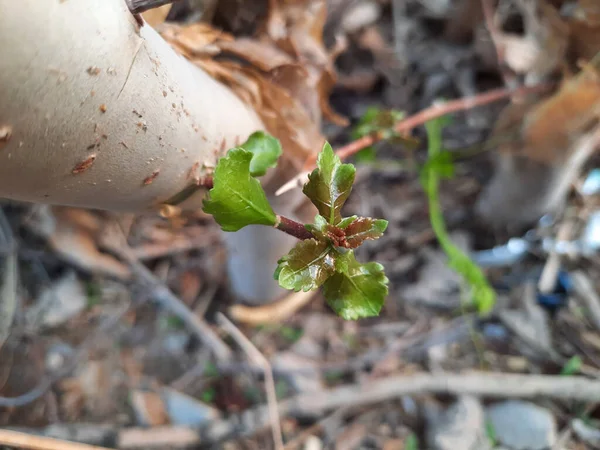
[(325, 254), (379, 122)]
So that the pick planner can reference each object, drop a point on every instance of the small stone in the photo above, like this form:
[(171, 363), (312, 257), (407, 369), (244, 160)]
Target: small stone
[(57, 356), (522, 425), (461, 426), (185, 410)]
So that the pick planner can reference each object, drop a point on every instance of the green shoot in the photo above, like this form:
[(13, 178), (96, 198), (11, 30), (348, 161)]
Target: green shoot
[(379, 122), (572, 366), (482, 294), (324, 256)]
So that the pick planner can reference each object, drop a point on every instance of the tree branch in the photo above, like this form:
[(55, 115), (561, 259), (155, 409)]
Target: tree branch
[(411, 122)]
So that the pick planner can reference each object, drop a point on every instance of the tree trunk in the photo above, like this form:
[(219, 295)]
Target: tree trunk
[(97, 111)]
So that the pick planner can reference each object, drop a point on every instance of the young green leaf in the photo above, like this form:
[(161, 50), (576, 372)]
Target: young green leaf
[(572, 366), (346, 221), (490, 432), (330, 184), (411, 442), (237, 199), (362, 229), (357, 292), (265, 150), (306, 266), (442, 165)]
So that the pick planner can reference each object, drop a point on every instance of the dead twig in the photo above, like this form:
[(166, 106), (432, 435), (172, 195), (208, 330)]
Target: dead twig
[(549, 275), (165, 297), (31, 442), (494, 385), (258, 358), (500, 385)]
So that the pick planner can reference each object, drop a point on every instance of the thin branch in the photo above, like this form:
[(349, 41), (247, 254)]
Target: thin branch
[(411, 122), (255, 355), (171, 302), (438, 110), (481, 384), (293, 228), (164, 296), (501, 385), (31, 442)]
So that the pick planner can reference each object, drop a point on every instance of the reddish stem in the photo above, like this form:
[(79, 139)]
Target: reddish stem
[(293, 228), (432, 112)]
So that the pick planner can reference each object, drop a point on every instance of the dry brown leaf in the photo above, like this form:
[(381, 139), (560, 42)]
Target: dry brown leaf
[(553, 125), (557, 135), (541, 50), (156, 16), (79, 248), (286, 73), (263, 55), (585, 31), (195, 39), (149, 408), (549, 126), (584, 40)]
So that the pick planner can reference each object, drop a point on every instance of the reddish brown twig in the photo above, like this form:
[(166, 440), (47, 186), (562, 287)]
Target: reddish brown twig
[(293, 228), (411, 122), (433, 112)]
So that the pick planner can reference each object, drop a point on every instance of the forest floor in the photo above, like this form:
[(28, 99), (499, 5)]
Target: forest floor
[(97, 354)]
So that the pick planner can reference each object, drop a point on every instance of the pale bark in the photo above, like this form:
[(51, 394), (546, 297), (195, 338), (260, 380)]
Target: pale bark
[(84, 88), (61, 65)]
